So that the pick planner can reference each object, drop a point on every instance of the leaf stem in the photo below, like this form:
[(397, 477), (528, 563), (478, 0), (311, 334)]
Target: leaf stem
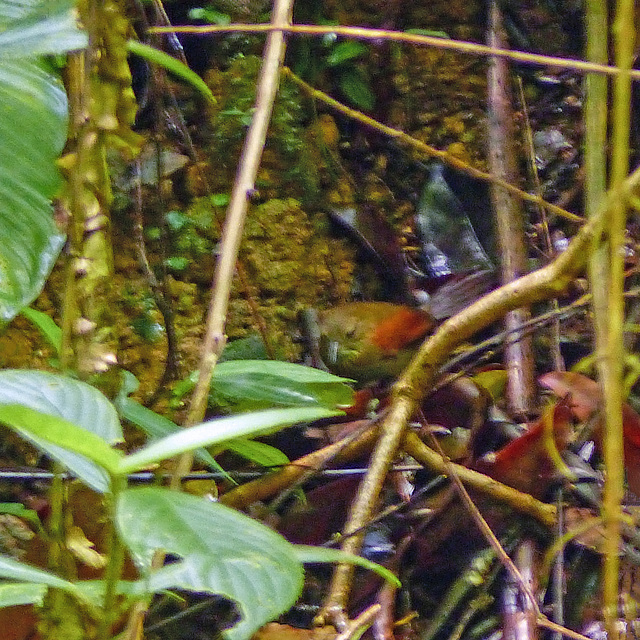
[(115, 563)]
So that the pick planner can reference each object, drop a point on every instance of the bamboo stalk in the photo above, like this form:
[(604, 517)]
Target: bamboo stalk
[(611, 361)]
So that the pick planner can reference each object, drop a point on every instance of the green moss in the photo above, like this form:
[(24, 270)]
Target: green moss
[(290, 263), (288, 164)]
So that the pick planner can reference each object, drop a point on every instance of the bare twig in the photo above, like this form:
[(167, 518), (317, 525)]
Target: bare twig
[(178, 50), (264, 488), (530, 327), (158, 290), (521, 502), (545, 623), (365, 33), (230, 242), (269, 485), (358, 625), (509, 216), (406, 140), (595, 162), (558, 573), (556, 353), (520, 617)]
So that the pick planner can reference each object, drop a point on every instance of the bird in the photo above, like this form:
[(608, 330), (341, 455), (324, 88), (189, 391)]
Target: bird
[(370, 341)]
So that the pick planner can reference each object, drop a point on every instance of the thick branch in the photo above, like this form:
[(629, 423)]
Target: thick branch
[(509, 222), (420, 375)]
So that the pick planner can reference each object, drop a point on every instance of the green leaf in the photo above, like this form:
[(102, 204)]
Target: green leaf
[(147, 328), (428, 32), (219, 199), (177, 263), (220, 551), (152, 423), (176, 220), (76, 402), (43, 429), (31, 28), (14, 594), (284, 370), (345, 51), (249, 348), (258, 452), (33, 127), (169, 63), (46, 325), (62, 396), (207, 14), (310, 555), (20, 511), (11, 569), (218, 431), (246, 385), (355, 85)]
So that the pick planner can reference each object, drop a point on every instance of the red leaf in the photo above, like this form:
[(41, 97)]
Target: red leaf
[(584, 399), (530, 463), (584, 393)]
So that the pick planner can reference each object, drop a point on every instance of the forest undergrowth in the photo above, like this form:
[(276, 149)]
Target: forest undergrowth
[(319, 320)]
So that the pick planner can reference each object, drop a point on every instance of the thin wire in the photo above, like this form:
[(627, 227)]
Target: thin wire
[(41, 475)]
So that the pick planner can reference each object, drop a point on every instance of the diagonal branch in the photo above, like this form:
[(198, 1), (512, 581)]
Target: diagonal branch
[(236, 213), (421, 374)]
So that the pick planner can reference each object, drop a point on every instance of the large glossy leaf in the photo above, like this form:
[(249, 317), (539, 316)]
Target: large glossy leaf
[(13, 594), (45, 430), (76, 402), (33, 125), (246, 385), (38, 27), (33, 130), (220, 551), (15, 570), (221, 430), (152, 423), (62, 396)]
